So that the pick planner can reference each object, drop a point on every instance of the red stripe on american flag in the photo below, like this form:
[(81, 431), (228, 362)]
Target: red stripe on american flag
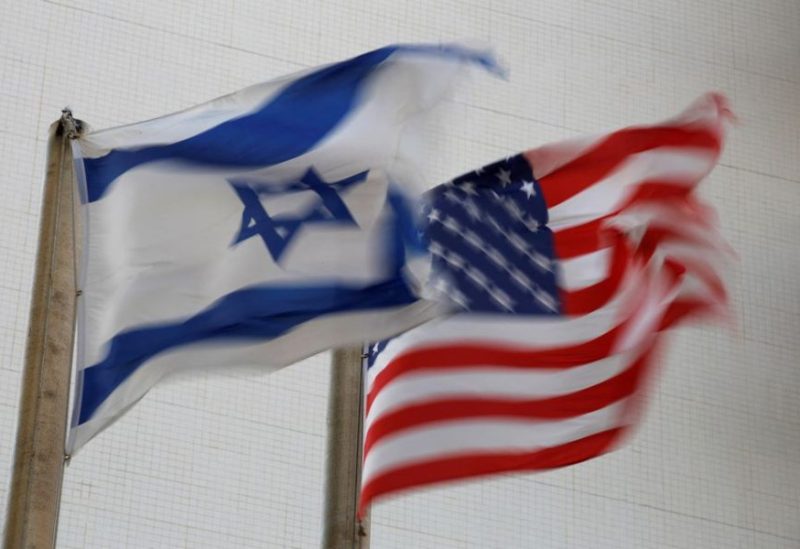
[(564, 406), (465, 356), (591, 236), (601, 160), (474, 465), (583, 239)]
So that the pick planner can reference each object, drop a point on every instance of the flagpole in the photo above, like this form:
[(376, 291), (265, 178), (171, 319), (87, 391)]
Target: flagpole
[(35, 494), (341, 527)]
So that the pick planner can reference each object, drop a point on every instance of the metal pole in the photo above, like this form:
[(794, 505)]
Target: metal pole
[(341, 528), (35, 493)]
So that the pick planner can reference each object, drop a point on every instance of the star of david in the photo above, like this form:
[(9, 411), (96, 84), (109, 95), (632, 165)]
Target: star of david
[(277, 231)]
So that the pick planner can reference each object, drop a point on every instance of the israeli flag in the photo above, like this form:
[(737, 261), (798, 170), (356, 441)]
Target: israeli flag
[(254, 230)]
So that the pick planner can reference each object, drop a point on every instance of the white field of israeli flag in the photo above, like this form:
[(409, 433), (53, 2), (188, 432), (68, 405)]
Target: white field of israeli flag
[(256, 229)]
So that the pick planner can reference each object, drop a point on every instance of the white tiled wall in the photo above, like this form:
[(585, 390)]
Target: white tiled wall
[(222, 461)]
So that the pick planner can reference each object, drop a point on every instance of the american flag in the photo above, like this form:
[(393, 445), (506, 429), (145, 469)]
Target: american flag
[(565, 263)]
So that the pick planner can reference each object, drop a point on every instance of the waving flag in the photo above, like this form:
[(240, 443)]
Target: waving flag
[(254, 230), (567, 262)]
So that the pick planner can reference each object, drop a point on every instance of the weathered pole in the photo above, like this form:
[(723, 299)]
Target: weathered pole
[(341, 527), (35, 493)]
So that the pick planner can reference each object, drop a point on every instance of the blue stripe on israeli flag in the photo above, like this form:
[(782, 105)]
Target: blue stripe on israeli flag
[(255, 230)]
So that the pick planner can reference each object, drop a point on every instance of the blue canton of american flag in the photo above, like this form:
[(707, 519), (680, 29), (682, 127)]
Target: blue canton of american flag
[(492, 251)]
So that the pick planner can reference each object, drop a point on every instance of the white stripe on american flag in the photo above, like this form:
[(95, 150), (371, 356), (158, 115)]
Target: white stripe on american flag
[(458, 438), (493, 382), (480, 394), (584, 270), (511, 332), (667, 165)]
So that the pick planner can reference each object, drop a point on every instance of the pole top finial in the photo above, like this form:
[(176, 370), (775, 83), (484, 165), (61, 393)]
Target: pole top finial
[(71, 127)]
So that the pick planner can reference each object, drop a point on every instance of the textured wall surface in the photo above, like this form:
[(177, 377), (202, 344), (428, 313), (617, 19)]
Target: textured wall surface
[(223, 461)]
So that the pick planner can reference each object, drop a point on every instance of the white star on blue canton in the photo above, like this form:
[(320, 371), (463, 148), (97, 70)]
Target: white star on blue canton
[(451, 225), (455, 260), (513, 209), (502, 299), (477, 277), (473, 239), (540, 261), (520, 278), (441, 286), (436, 249), (459, 299), (527, 188), (493, 223), (531, 224), (472, 209), (495, 256), (545, 299), (469, 188), (504, 177)]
